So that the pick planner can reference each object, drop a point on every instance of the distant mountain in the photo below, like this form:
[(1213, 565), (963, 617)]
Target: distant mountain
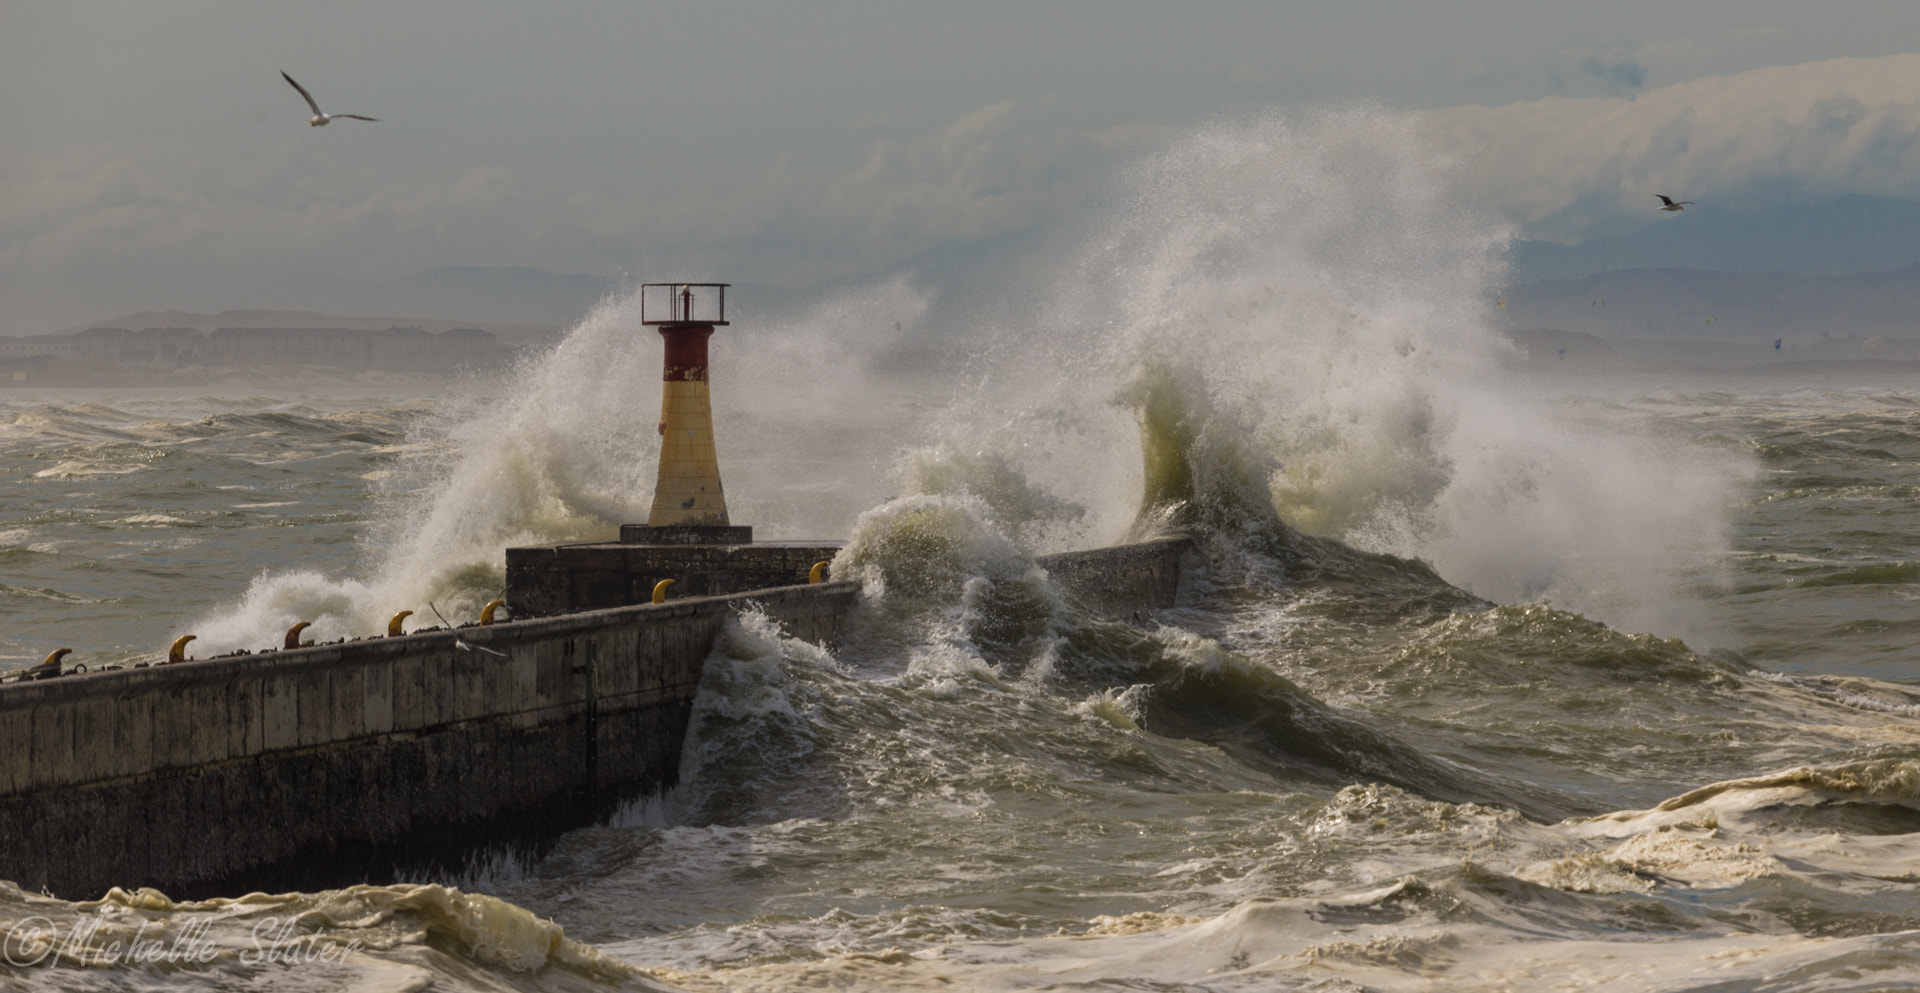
[(1837, 237), (1724, 306), (1573, 353), (515, 293), (536, 296), (145, 319), (520, 304)]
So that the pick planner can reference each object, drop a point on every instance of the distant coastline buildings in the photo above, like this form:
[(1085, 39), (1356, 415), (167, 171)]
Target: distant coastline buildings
[(118, 353)]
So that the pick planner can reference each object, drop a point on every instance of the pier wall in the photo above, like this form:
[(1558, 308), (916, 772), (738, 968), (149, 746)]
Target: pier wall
[(392, 758), (362, 761), (557, 579), (1121, 581), (1125, 581)]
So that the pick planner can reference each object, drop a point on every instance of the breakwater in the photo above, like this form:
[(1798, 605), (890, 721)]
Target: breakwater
[(366, 760), (1119, 581), (1124, 581), (392, 758)]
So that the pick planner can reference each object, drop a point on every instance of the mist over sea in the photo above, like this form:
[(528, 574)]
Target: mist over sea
[(1496, 680)]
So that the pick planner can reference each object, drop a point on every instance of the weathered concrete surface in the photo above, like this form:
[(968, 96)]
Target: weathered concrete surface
[(363, 761), (354, 762), (562, 578), (687, 534), (1126, 581)]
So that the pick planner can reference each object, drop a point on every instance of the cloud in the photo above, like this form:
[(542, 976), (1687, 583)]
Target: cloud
[(1625, 73), (993, 170), (138, 223), (94, 231), (1827, 128)]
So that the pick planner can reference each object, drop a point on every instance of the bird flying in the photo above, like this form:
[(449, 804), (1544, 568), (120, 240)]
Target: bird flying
[(320, 117), (1671, 203)]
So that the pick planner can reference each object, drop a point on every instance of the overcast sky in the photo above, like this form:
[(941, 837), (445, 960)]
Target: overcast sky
[(154, 158)]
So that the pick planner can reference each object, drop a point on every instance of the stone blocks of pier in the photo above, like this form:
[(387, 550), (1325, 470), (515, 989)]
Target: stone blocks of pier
[(364, 761), (1125, 581), (557, 579)]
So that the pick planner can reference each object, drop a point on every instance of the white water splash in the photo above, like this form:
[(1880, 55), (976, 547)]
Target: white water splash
[(1323, 283), (1318, 275), (567, 451)]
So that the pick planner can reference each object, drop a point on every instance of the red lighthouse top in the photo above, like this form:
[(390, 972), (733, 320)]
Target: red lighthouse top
[(683, 303)]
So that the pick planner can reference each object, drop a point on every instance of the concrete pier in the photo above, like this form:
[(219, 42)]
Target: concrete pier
[(360, 761), (1115, 582), (389, 758), (1126, 581)]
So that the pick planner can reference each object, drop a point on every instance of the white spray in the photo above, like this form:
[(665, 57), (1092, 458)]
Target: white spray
[(1323, 283), (1317, 275), (569, 454)]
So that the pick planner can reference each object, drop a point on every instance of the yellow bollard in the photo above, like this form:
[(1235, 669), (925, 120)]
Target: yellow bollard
[(178, 651), (486, 612), (660, 590), (293, 634), (818, 573), (394, 630)]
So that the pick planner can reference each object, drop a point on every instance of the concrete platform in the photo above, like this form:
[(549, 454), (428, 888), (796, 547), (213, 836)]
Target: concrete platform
[(564, 578)]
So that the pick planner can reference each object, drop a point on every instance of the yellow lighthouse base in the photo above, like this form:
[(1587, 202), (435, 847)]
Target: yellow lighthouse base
[(688, 492)]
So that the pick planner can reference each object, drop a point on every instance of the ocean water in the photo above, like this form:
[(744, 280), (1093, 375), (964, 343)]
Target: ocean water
[(1496, 680)]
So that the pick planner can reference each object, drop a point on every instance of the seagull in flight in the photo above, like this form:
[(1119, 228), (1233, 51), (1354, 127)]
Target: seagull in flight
[(459, 642), (1671, 204), (320, 117)]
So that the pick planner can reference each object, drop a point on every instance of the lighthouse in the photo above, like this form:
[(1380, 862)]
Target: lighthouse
[(688, 547), (689, 504)]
